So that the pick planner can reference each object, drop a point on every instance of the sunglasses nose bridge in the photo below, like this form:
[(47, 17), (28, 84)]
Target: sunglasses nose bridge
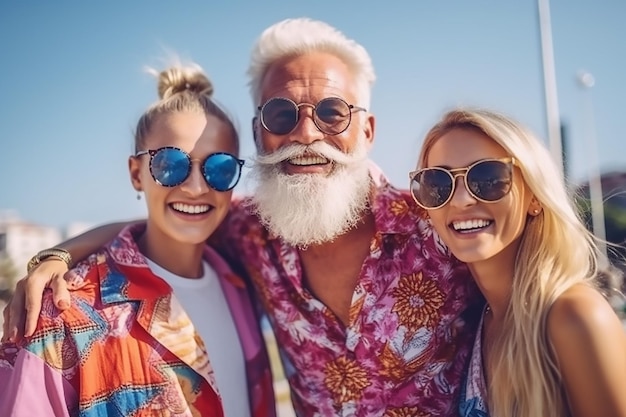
[(307, 115), (306, 129), (195, 182), (460, 194)]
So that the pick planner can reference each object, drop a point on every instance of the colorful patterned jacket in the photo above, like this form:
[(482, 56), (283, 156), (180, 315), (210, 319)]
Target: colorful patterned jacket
[(127, 348)]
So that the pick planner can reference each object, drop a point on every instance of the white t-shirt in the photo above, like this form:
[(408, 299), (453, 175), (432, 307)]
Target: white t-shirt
[(204, 302)]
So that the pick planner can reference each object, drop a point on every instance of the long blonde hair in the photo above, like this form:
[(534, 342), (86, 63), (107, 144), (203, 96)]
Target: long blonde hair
[(556, 253)]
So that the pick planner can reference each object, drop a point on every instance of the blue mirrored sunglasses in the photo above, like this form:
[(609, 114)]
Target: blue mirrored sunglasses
[(170, 166)]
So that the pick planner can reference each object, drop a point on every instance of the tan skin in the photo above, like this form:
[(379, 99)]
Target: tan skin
[(174, 239), (331, 269), (587, 336)]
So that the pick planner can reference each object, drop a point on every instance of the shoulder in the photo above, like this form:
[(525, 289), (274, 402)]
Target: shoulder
[(588, 342), (580, 309), (581, 316)]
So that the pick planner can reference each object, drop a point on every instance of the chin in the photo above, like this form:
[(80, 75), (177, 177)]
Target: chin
[(194, 237), (472, 256)]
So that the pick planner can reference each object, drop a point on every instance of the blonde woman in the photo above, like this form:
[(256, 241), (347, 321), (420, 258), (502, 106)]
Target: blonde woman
[(549, 343)]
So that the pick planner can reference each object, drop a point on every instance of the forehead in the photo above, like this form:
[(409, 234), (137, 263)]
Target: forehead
[(194, 132), (309, 78), (462, 147)]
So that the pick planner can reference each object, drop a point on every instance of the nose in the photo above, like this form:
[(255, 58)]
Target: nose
[(306, 131), (461, 196), (195, 184)]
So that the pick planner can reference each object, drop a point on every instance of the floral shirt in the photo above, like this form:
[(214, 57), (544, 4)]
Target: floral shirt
[(126, 347), (405, 349)]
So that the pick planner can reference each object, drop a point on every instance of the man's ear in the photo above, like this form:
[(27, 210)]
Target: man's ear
[(369, 127), (134, 169)]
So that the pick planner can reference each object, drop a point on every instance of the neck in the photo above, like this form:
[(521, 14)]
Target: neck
[(495, 283), (182, 259)]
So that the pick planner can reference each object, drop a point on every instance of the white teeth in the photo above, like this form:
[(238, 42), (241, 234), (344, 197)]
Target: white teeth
[(470, 224), (191, 209), (308, 160)]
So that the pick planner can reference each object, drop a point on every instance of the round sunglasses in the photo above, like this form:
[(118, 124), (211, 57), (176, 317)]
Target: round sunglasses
[(487, 180), (170, 166), (331, 115)]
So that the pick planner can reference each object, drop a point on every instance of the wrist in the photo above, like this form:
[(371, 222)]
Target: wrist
[(52, 253)]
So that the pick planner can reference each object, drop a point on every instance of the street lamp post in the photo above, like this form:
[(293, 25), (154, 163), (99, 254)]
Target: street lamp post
[(549, 81)]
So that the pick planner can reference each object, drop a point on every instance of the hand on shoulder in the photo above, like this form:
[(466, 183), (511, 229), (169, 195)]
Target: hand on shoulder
[(22, 312)]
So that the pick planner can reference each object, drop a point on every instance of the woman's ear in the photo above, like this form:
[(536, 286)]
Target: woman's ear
[(534, 207), (255, 132), (134, 169)]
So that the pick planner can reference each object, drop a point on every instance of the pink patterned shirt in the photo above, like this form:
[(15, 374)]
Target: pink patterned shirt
[(406, 348)]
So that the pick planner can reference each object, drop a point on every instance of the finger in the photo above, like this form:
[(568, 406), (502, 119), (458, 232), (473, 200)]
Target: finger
[(60, 293), (34, 287), (14, 314)]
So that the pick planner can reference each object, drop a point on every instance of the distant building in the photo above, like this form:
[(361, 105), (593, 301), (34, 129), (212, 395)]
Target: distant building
[(20, 240)]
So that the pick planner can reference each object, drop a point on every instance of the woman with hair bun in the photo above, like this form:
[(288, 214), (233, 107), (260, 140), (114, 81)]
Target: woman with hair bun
[(549, 344), (159, 325)]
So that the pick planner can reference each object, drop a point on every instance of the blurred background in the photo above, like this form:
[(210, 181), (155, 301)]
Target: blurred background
[(73, 84)]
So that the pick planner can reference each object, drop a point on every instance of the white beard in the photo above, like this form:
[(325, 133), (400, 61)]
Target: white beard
[(309, 209)]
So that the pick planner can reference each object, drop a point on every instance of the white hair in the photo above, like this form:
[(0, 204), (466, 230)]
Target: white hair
[(293, 37), (311, 209)]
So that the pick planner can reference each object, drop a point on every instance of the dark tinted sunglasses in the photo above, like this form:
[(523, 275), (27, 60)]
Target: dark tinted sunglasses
[(331, 115), (170, 166), (488, 181)]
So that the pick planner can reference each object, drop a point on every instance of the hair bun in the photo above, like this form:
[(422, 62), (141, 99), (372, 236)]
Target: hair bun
[(180, 78)]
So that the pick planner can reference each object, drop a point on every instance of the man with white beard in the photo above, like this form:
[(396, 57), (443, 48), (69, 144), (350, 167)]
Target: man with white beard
[(366, 305)]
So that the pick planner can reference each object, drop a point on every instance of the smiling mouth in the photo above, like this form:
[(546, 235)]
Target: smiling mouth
[(466, 226), (308, 160), (191, 208)]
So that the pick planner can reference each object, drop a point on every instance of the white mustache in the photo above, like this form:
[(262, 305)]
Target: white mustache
[(315, 149)]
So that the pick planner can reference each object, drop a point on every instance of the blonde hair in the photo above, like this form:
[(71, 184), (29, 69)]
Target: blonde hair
[(181, 88), (556, 253), (293, 37)]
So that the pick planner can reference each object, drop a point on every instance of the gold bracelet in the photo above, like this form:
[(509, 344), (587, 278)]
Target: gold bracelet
[(62, 254)]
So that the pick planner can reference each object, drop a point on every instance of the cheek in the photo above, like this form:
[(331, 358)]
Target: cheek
[(222, 200), (511, 217), (348, 140), (154, 193), (145, 175), (267, 142)]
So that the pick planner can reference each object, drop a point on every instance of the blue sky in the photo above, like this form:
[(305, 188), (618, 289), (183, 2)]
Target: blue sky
[(72, 84)]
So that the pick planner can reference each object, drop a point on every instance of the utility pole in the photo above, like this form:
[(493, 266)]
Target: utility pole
[(549, 82)]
